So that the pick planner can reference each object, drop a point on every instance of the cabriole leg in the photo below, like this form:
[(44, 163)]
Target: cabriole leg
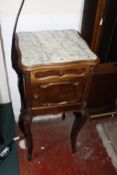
[(80, 119), (25, 122)]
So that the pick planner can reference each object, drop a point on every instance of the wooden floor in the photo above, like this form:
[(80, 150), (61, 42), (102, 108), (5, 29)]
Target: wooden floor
[(52, 151)]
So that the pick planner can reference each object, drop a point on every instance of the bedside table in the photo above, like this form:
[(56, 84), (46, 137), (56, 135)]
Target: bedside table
[(54, 71)]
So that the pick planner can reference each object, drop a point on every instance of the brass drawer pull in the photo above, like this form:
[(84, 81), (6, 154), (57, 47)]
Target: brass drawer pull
[(61, 73)]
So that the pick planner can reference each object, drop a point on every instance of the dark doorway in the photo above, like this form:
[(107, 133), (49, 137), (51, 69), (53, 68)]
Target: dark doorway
[(101, 37), (107, 49)]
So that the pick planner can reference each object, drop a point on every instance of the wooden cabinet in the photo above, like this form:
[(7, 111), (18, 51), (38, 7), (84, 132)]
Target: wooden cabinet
[(58, 81)]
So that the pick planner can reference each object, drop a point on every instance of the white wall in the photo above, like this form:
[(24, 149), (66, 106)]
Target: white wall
[(41, 7), (36, 15), (4, 92)]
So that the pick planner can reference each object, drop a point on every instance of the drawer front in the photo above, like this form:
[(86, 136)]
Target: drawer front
[(57, 75), (58, 93)]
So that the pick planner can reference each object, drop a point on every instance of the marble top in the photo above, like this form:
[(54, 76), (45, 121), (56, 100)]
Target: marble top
[(47, 47)]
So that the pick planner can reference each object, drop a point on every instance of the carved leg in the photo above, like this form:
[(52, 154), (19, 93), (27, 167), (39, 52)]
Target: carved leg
[(25, 126), (80, 119), (22, 114), (28, 135), (25, 118)]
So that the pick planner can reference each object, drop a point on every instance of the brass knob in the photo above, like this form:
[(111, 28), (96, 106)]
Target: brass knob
[(61, 73)]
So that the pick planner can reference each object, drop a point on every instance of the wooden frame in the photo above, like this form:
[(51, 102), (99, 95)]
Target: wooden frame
[(93, 16), (98, 24)]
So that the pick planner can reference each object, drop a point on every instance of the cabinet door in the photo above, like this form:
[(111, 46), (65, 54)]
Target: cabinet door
[(58, 86), (60, 93)]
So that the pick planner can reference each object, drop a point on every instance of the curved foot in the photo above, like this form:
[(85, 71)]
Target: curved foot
[(80, 119)]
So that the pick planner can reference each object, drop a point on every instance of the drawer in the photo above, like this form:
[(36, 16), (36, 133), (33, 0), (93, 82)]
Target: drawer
[(57, 93), (56, 75)]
